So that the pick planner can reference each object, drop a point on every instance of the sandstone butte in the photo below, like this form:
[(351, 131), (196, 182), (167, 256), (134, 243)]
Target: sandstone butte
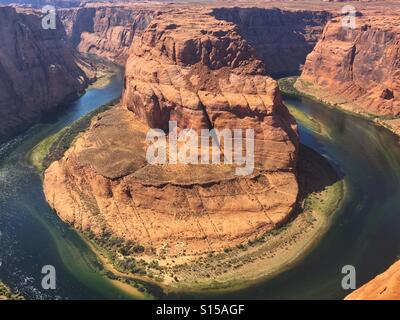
[(38, 71), (358, 69), (189, 67), (386, 286)]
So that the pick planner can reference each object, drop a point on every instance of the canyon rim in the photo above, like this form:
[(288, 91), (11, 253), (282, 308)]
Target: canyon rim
[(79, 103)]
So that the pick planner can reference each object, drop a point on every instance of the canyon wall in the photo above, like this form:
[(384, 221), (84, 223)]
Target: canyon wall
[(357, 69), (386, 286), (107, 31), (282, 38), (200, 72), (38, 71)]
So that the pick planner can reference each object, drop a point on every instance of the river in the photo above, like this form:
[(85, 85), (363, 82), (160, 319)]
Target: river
[(364, 233)]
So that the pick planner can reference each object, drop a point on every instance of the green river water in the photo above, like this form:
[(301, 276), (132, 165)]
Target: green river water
[(365, 232)]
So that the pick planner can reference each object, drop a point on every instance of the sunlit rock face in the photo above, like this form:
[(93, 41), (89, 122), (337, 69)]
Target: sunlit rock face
[(385, 286), (358, 69), (196, 70), (107, 31)]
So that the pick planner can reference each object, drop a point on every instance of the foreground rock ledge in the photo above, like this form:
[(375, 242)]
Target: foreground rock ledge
[(386, 286), (196, 70)]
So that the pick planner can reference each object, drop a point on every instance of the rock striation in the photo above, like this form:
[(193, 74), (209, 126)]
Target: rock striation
[(386, 286), (106, 30), (38, 71), (200, 72), (282, 38), (357, 69)]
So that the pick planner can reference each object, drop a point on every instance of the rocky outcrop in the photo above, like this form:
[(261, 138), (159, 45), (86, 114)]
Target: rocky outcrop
[(106, 30), (200, 72), (282, 38), (38, 71), (357, 69), (386, 286)]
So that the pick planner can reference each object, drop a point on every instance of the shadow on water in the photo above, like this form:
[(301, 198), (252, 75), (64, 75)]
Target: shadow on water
[(307, 158), (364, 232), (31, 235)]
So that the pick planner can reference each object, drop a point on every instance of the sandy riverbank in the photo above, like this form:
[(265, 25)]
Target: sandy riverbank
[(392, 123), (241, 266), (321, 193)]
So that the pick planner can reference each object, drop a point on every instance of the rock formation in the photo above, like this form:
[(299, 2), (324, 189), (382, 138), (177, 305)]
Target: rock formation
[(38, 71), (281, 38), (386, 286), (106, 30), (357, 69), (200, 72)]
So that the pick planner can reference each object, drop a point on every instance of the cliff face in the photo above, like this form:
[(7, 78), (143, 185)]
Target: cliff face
[(107, 31), (386, 286), (282, 38), (196, 70), (357, 69), (38, 71)]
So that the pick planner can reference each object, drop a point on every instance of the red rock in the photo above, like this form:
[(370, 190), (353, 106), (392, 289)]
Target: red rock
[(106, 30), (357, 69), (386, 286), (38, 71), (189, 67)]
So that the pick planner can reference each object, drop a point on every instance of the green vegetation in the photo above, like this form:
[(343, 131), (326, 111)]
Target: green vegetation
[(286, 86), (125, 256), (304, 119), (7, 294), (53, 147), (320, 196)]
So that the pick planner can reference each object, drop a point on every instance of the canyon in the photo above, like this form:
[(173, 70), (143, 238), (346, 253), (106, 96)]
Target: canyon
[(358, 69), (205, 68), (282, 38), (38, 71), (106, 30), (202, 74), (171, 75)]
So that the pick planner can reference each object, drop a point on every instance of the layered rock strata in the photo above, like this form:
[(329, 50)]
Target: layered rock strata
[(106, 30), (38, 71), (357, 69), (282, 38), (200, 72)]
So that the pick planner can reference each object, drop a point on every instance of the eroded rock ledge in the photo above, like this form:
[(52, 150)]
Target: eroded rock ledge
[(192, 68)]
